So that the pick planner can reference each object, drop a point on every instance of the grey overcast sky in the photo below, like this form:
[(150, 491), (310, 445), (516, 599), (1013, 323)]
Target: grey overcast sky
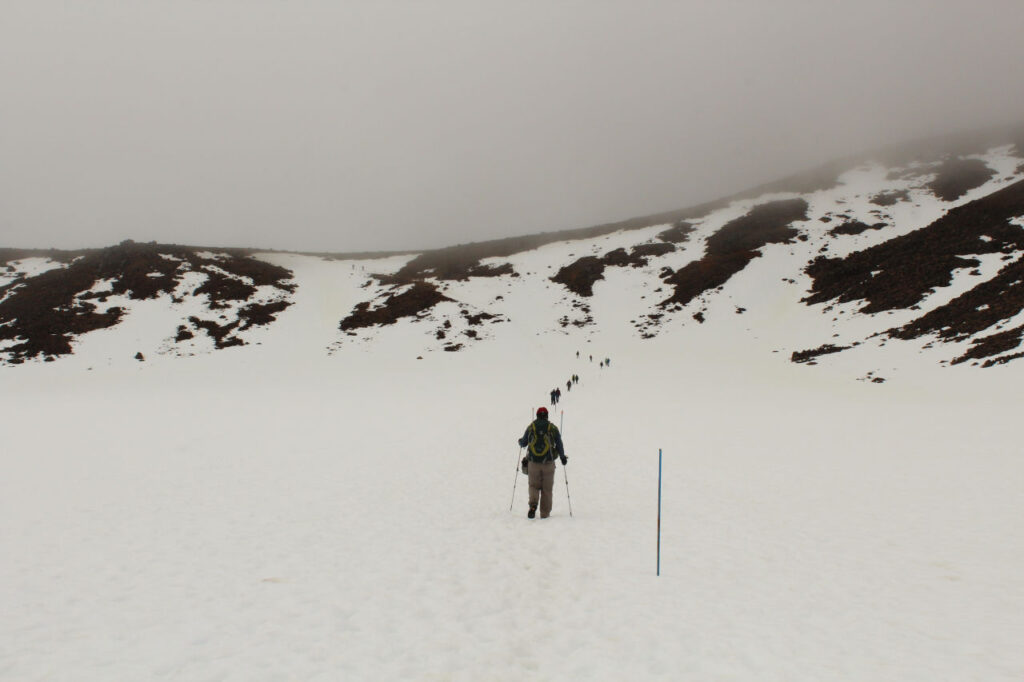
[(343, 125)]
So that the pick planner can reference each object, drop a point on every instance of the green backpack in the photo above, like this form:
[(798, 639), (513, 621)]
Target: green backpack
[(541, 444)]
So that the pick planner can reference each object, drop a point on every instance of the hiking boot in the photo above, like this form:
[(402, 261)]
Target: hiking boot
[(533, 512)]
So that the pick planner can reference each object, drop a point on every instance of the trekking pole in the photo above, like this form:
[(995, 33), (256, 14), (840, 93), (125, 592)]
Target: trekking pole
[(567, 495), (561, 417), (516, 481), (659, 513)]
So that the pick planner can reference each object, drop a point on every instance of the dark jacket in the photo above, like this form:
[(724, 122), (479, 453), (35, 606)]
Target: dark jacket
[(542, 441)]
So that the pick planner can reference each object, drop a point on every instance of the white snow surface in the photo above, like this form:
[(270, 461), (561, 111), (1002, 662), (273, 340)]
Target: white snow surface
[(322, 507)]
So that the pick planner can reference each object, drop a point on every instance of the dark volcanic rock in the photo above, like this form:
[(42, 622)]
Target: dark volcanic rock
[(736, 244), (809, 355), (900, 272), (957, 177), (990, 302), (618, 257), (890, 198), (8, 255), (641, 252), (444, 269), (220, 333), (44, 313), (851, 227), (994, 344), (678, 233), (259, 314), (579, 277), (419, 297)]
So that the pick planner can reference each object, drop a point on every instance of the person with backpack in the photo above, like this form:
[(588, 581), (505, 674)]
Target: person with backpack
[(543, 445)]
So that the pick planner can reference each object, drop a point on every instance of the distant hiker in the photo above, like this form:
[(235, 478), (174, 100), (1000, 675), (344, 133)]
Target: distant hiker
[(558, 395), (607, 362), (591, 358), (543, 444), (568, 386), (602, 364), (554, 396), (577, 355), (575, 378)]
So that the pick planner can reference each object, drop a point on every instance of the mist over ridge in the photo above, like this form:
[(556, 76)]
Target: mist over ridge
[(370, 127)]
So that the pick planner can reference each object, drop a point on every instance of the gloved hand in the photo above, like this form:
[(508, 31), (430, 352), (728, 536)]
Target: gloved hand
[(565, 460), (522, 443)]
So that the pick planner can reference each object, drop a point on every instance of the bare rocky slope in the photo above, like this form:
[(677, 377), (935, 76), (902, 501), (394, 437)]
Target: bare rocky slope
[(876, 234)]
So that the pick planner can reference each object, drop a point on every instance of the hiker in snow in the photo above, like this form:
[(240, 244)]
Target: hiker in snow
[(554, 399), (558, 395), (568, 386), (543, 444)]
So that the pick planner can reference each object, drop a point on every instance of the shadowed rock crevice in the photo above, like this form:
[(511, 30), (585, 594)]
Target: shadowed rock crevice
[(736, 244)]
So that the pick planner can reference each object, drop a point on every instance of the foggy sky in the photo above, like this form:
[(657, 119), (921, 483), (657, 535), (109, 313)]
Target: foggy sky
[(345, 126)]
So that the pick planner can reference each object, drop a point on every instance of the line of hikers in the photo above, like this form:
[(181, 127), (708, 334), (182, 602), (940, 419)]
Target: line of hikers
[(556, 392), (604, 363), (544, 445)]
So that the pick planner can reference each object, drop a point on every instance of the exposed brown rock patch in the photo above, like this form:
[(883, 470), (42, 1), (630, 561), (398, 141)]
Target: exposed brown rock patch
[(902, 271), (678, 233), (890, 198), (957, 177), (43, 314), (579, 276), (419, 297), (808, 356), (994, 344), (851, 227), (736, 244)]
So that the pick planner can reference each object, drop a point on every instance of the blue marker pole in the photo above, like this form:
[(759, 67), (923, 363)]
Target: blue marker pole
[(659, 511)]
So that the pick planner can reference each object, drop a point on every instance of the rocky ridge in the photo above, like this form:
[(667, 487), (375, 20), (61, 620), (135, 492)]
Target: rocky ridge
[(897, 231)]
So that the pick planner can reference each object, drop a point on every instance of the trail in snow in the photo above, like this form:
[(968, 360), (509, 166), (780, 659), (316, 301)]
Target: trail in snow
[(318, 507)]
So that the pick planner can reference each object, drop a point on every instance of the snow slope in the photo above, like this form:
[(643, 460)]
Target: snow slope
[(263, 513)]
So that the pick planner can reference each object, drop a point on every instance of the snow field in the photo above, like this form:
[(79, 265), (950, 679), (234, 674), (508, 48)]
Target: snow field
[(319, 507), (350, 520)]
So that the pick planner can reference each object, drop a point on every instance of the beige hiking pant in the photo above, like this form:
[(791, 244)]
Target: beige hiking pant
[(542, 480)]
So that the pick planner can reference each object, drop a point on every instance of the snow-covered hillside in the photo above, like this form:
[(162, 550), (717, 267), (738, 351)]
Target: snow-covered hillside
[(328, 496), (922, 253)]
